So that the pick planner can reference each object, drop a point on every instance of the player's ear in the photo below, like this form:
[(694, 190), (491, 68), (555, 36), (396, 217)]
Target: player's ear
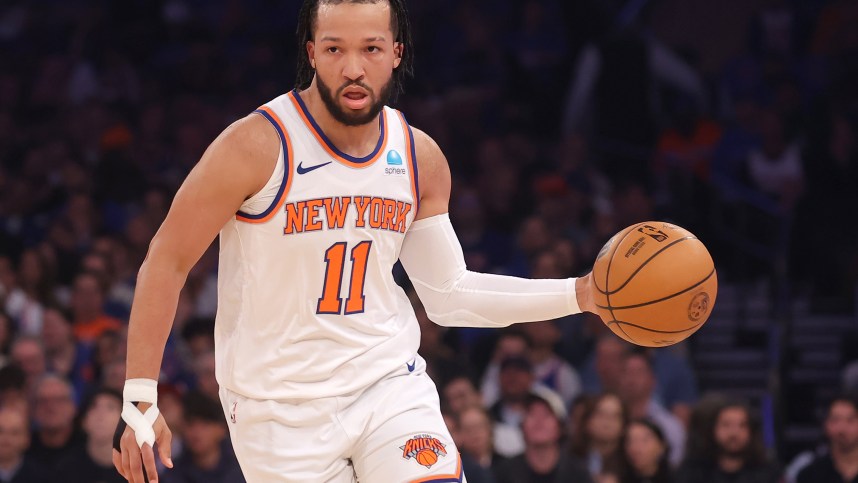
[(311, 53), (398, 48)]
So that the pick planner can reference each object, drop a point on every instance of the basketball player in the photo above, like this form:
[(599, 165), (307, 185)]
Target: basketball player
[(315, 196)]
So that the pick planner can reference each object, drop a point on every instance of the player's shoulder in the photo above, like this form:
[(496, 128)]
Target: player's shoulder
[(252, 134), (245, 152), (250, 141), (430, 156)]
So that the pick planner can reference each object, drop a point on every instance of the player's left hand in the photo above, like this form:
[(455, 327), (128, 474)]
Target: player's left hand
[(584, 293)]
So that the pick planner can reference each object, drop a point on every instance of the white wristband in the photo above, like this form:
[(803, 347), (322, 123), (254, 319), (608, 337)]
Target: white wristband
[(145, 391)]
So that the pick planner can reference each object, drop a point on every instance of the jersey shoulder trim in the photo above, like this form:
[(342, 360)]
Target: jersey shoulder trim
[(326, 143), (412, 160), (266, 215)]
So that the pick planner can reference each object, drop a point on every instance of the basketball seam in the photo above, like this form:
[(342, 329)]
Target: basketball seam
[(608, 277), (637, 270), (611, 257), (625, 307), (618, 322)]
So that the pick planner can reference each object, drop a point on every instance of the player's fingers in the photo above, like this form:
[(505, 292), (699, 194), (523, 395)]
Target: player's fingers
[(126, 465), (149, 463), (165, 448), (135, 463), (117, 463)]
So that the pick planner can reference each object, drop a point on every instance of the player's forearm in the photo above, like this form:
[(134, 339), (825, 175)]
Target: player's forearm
[(486, 300), (454, 296), (152, 313)]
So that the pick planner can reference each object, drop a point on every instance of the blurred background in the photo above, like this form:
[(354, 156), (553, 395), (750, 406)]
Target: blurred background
[(564, 121)]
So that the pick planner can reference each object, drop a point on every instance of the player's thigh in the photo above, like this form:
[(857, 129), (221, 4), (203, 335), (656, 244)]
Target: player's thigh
[(408, 440), (286, 443)]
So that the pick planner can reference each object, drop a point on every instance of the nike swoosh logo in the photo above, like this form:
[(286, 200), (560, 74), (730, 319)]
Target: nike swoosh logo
[(302, 170), (412, 365)]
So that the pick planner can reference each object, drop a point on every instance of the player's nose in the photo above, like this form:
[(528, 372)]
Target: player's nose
[(353, 68)]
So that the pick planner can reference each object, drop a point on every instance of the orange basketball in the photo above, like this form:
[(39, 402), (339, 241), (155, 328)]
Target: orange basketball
[(654, 284), (427, 457)]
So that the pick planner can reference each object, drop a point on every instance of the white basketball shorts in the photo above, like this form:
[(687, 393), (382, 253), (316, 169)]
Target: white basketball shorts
[(391, 432)]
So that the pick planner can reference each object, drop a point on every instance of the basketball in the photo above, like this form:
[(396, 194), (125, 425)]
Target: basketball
[(427, 457), (654, 284)]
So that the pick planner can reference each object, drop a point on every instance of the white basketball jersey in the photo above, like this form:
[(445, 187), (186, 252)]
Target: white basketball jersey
[(307, 304)]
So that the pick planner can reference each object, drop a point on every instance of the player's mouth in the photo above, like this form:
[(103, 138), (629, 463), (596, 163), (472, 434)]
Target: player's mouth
[(355, 99)]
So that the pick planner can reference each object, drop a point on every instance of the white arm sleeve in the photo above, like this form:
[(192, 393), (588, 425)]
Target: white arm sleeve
[(456, 297)]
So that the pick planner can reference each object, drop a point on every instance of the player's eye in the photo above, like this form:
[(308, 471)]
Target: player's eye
[(373, 49), (333, 50)]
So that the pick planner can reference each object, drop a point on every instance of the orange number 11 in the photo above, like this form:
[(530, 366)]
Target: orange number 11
[(335, 258)]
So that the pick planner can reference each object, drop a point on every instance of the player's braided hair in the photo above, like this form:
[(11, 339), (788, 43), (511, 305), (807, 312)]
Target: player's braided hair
[(399, 24)]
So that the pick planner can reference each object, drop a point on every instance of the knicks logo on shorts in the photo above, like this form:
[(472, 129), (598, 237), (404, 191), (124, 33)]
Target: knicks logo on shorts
[(424, 449)]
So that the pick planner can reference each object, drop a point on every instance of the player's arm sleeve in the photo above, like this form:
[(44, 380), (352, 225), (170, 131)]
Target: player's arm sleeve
[(455, 297)]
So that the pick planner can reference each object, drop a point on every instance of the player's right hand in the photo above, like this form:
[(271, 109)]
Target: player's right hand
[(131, 460)]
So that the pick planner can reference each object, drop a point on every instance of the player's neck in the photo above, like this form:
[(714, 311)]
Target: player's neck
[(356, 141)]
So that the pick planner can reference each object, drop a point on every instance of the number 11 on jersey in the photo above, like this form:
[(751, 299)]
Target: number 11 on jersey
[(335, 258)]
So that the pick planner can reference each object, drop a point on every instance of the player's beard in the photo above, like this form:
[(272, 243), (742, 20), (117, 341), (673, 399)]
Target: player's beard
[(347, 118)]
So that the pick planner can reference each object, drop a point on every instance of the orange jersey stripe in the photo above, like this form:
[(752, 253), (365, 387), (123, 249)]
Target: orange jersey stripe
[(287, 176)]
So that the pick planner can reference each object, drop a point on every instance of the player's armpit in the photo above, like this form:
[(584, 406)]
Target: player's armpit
[(434, 172), (454, 296)]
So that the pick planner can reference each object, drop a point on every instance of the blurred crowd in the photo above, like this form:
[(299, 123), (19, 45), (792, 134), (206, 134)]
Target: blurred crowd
[(563, 123)]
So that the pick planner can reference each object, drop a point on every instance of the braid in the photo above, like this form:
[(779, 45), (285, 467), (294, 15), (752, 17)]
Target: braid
[(306, 21), (399, 24)]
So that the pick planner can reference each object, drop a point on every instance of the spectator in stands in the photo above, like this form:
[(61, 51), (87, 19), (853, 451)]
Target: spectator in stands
[(26, 304), (576, 415), (13, 389), (107, 347), (475, 428), (55, 436), (7, 335), (87, 306), (208, 454), (548, 368), (638, 392), (29, 354), (15, 465), (604, 370), (198, 336), (516, 381), (734, 451), (841, 430), (646, 452), (676, 384), (65, 357), (94, 462), (775, 168), (113, 374), (599, 440), (511, 342), (543, 459), (204, 375), (459, 394), (460, 435)]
